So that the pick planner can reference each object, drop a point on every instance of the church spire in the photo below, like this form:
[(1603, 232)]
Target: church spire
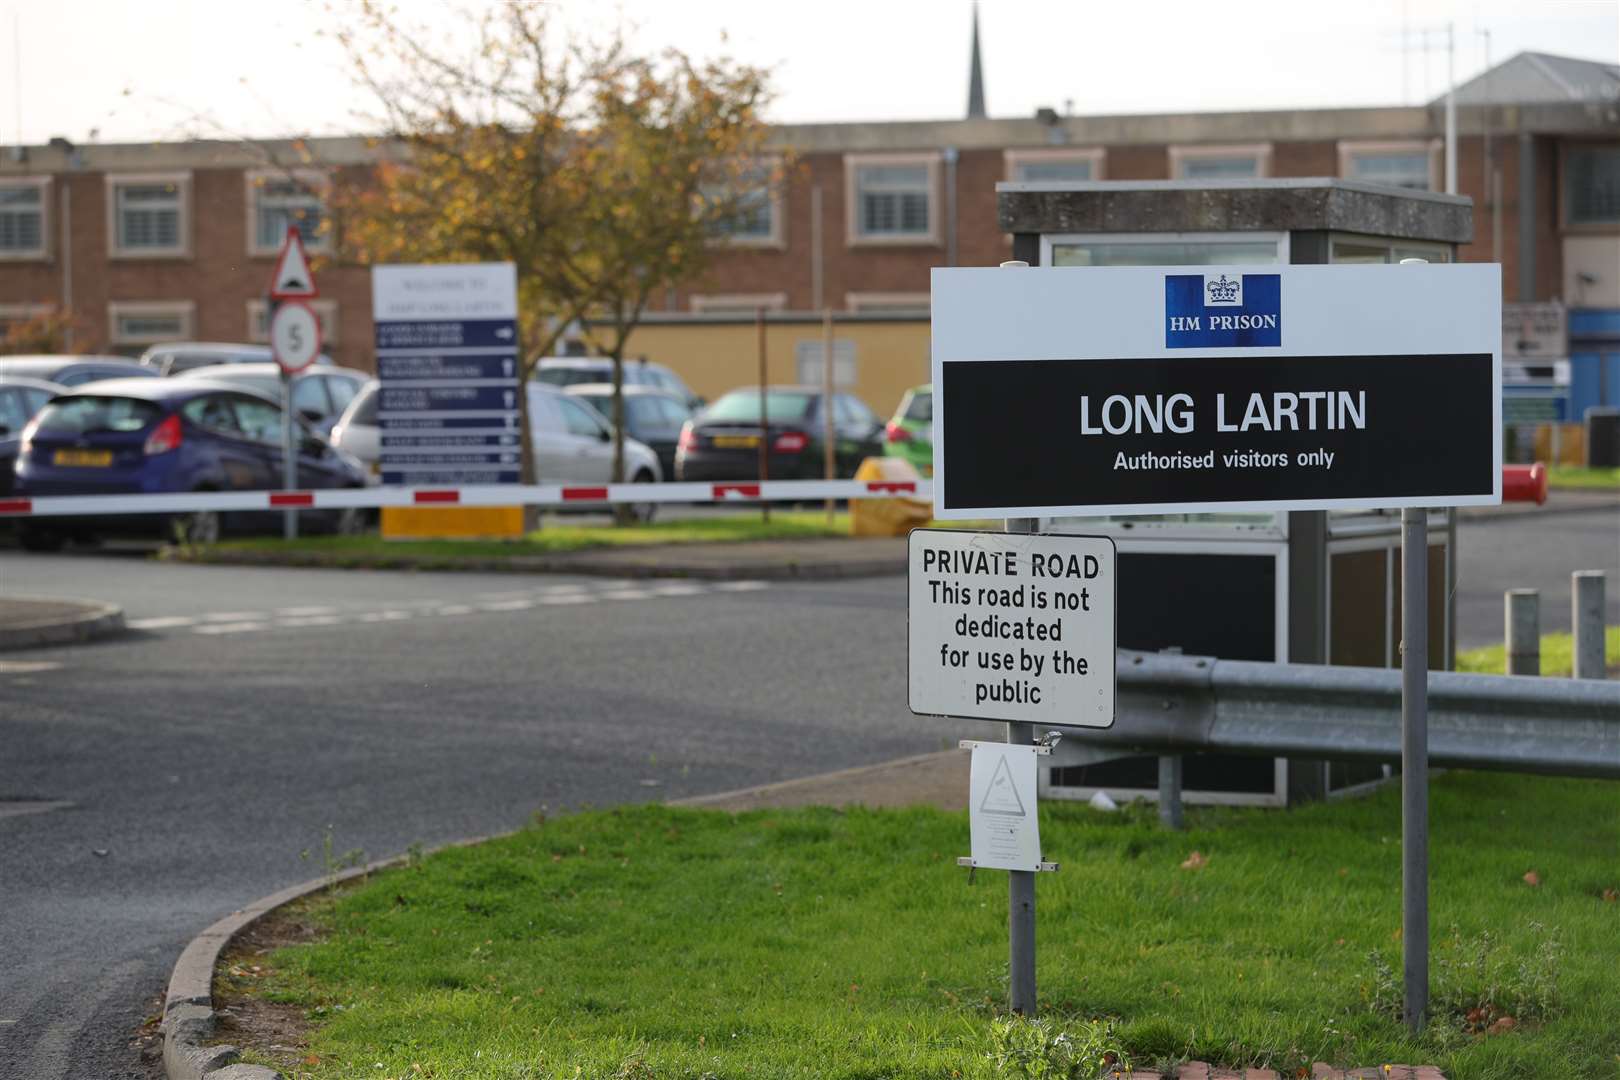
[(975, 109)]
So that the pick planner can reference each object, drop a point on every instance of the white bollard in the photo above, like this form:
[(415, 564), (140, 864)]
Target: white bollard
[(1523, 617), (1586, 618)]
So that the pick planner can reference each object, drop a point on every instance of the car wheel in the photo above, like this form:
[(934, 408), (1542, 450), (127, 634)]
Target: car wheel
[(197, 527), (44, 540), (642, 513)]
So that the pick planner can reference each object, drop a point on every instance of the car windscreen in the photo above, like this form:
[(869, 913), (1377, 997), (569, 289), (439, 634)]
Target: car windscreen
[(744, 405), (364, 408), (922, 407), (88, 414), (570, 376), (637, 410)]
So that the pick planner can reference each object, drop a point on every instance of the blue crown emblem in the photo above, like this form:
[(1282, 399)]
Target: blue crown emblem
[(1222, 291)]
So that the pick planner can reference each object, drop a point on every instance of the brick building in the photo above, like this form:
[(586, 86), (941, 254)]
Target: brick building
[(174, 240)]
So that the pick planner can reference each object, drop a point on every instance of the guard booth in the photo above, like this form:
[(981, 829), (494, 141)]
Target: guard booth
[(1296, 587)]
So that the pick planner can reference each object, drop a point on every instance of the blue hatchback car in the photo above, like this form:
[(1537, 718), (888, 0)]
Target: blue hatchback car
[(127, 436)]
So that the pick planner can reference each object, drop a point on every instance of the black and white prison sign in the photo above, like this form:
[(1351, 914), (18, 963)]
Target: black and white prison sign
[(1085, 391), (1012, 626)]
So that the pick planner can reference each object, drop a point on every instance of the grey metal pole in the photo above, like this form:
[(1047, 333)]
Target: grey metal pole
[(289, 454), (1522, 615), (1021, 912), (1586, 616), (1021, 883), (1415, 764), (1170, 791)]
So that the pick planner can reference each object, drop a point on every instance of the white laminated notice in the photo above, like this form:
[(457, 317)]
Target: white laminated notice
[(1001, 807)]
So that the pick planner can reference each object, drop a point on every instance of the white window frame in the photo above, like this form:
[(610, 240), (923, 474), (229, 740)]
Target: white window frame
[(1094, 156), (737, 303), (182, 180), (1280, 239), (319, 185), (258, 321), (43, 185), (1261, 152), (119, 309), (896, 303), (854, 163), (1350, 149), (776, 182)]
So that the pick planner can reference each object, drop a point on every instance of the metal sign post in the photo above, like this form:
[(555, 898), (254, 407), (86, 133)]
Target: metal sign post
[(295, 342), (1021, 883), (289, 456), (1415, 764)]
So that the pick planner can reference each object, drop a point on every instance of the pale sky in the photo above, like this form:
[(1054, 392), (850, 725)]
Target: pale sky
[(167, 69)]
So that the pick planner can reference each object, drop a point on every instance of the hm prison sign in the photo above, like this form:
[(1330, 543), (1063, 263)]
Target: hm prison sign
[(1085, 391)]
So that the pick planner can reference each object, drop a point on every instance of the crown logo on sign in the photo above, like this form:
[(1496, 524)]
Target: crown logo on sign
[(1223, 291)]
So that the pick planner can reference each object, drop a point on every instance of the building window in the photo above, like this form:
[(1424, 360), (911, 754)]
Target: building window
[(891, 198), (1164, 249), (279, 199), (1411, 165), (1054, 165), (756, 202), (148, 215), (808, 354), (1592, 185), (888, 303), (738, 303), (1350, 248), (1220, 162), (22, 218), (150, 322), (258, 321)]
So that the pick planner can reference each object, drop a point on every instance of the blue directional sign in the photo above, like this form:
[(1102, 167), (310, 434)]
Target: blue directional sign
[(447, 358)]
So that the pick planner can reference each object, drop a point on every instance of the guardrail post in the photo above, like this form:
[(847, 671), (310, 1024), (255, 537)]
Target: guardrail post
[(1586, 616), (1170, 791), (1523, 617)]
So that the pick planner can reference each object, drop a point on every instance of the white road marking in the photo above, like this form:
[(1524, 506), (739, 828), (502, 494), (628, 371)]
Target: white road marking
[(231, 628), (508, 605), (27, 667), (677, 590), (454, 609), (552, 601), (385, 616), (741, 586), (319, 609), (162, 622), (234, 616), (626, 594), (309, 620)]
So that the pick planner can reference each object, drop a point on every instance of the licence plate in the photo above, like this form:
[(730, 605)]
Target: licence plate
[(736, 442), (95, 458)]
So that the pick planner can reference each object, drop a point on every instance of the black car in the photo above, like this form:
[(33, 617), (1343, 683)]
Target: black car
[(20, 399), (152, 436), (722, 442), (652, 416)]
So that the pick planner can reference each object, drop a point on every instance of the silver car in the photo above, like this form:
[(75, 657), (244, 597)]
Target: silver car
[(320, 395), (572, 443)]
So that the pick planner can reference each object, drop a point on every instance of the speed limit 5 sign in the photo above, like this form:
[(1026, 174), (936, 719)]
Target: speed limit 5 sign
[(295, 336)]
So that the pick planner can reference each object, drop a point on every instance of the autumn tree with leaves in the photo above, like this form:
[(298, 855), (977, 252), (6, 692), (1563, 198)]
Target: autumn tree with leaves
[(602, 175)]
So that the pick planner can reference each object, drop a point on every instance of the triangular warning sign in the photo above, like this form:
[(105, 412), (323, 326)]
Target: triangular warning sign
[(1002, 797), (292, 278)]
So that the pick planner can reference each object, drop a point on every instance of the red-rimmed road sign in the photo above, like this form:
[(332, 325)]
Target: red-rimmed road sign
[(295, 336), (292, 279)]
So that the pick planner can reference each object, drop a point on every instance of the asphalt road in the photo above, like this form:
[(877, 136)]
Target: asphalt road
[(151, 784)]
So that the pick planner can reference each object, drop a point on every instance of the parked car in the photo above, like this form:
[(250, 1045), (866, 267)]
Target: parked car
[(572, 443), (909, 434), (651, 416), (319, 396), (722, 442), (20, 399), (563, 371), (70, 370), (164, 435), (173, 357)]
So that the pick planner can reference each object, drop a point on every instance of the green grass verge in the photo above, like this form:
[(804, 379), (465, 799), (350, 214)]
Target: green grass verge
[(1557, 655), (1575, 476), (656, 943)]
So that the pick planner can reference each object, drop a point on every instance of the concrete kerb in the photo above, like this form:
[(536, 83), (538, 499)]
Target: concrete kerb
[(60, 622)]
